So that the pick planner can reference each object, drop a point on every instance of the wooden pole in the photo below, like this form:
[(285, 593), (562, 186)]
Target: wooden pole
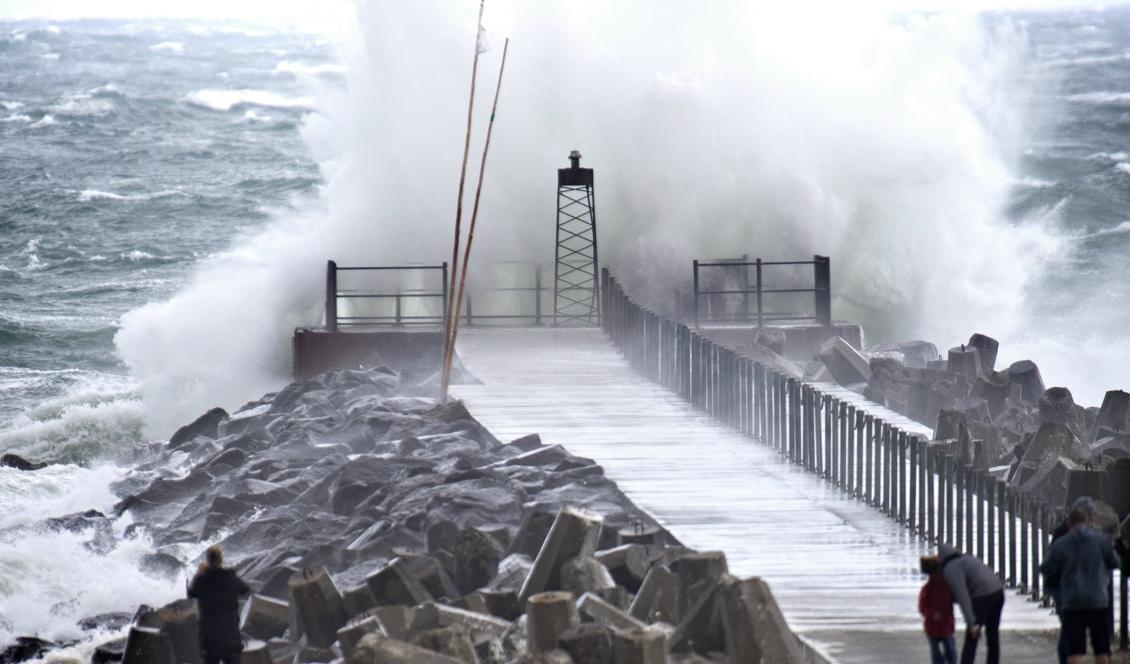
[(448, 324), (449, 353)]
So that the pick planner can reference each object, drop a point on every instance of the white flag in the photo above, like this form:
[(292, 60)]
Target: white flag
[(482, 44)]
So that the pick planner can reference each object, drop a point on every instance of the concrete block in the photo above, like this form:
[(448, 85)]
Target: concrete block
[(477, 555), (698, 574), (356, 629), (993, 388), (964, 361), (548, 615), (658, 597), (986, 348), (588, 643), (584, 574), (604, 613), (700, 626), (755, 629), (1026, 374), (453, 641), (396, 584), (500, 603), (1084, 482), (358, 600), (255, 652), (573, 534), (1117, 485), (1113, 414), (375, 649), (317, 606), (147, 645), (475, 623), (532, 533), (431, 574), (628, 564), (647, 645), (844, 362), (264, 617), (640, 535), (180, 625)]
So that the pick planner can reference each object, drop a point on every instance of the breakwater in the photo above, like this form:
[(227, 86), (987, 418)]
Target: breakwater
[(416, 526)]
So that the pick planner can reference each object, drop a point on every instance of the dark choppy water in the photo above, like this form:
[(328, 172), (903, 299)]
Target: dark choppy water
[(129, 153)]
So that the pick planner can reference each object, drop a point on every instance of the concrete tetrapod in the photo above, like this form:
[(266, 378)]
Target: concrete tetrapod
[(547, 616), (573, 534), (316, 603), (376, 649), (264, 617), (646, 645), (147, 645), (754, 627)]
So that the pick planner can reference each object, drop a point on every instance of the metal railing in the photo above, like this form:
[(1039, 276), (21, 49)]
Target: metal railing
[(752, 291), (920, 484), (401, 305)]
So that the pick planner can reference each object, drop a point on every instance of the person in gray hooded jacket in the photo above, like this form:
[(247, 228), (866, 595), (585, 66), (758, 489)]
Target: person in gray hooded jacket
[(980, 594)]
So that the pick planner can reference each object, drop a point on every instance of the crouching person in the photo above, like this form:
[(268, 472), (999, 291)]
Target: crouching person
[(217, 591)]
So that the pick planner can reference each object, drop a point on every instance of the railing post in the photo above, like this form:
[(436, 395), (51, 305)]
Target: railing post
[(822, 273), (603, 297), (331, 295), (696, 303), (1022, 513), (990, 491), (760, 312), (1000, 488), (904, 456), (930, 491)]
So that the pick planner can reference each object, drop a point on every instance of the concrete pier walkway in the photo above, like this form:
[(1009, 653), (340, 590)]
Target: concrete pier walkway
[(845, 575)]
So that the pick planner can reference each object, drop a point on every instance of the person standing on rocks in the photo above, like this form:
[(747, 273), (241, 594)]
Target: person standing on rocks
[(217, 591), (980, 594), (1080, 564)]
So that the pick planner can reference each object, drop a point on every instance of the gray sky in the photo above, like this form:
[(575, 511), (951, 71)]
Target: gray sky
[(338, 10)]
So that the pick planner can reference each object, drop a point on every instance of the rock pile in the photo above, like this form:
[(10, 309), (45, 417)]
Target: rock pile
[(376, 527), (1036, 438), (643, 601)]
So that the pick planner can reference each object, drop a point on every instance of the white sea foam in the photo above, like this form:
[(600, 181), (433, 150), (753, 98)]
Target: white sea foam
[(226, 100), (137, 255), (50, 56), (1087, 60), (45, 121), (171, 46), (252, 116), (1123, 167), (11, 105), (17, 117), (1035, 183), (299, 68)]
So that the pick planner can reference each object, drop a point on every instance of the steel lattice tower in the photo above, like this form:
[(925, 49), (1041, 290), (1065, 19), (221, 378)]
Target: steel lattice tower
[(576, 299)]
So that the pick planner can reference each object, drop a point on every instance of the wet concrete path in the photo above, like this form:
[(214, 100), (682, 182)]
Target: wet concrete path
[(845, 574)]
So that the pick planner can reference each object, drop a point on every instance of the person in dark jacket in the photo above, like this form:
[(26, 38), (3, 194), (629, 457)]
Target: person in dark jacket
[(1087, 506), (217, 592), (980, 594), (1080, 564)]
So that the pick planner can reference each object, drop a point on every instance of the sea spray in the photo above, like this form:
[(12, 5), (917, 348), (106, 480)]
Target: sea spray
[(731, 129)]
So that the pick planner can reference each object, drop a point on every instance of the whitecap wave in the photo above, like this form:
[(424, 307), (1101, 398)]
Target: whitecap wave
[(170, 46), (1120, 229), (83, 104), (50, 56), (1109, 156), (303, 69), (252, 116), (1102, 98), (1035, 183), (79, 431), (88, 195), (45, 121), (17, 118), (1087, 60), (1123, 166), (11, 105), (226, 100)]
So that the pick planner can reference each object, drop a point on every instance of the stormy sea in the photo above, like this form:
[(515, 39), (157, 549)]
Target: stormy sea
[(171, 191)]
